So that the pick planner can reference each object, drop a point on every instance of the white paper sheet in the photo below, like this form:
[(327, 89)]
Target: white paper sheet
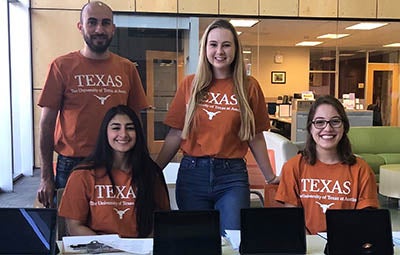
[(75, 240), (131, 245)]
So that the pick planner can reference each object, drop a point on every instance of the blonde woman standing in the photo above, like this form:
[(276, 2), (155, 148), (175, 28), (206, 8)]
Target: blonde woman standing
[(216, 115)]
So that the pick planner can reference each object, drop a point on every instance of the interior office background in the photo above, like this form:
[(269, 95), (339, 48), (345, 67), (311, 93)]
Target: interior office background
[(162, 38)]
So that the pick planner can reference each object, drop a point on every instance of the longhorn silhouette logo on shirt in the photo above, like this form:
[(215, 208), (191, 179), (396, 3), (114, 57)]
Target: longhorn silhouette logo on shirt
[(102, 99), (324, 206), (121, 212), (211, 115)]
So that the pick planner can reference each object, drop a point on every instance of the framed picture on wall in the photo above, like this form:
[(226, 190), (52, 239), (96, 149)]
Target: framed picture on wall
[(278, 77)]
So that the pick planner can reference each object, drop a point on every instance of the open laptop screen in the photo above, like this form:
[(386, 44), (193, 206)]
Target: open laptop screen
[(359, 232), (187, 232), (27, 231), (273, 231)]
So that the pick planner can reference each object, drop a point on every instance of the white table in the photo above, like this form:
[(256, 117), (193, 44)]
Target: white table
[(315, 246), (389, 178)]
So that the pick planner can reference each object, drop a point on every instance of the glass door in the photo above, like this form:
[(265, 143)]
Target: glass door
[(164, 73), (382, 90)]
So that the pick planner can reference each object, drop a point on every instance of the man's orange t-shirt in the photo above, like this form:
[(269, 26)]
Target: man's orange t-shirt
[(89, 197), (320, 187), (217, 118), (83, 90)]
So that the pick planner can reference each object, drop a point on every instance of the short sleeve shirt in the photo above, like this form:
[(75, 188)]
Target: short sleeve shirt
[(217, 118), (320, 187), (83, 90), (89, 197)]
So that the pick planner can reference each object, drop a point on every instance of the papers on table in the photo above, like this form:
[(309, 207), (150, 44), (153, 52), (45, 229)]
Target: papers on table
[(131, 245)]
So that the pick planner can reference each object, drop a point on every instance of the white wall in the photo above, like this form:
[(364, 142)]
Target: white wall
[(5, 103), (21, 88), (295, 64), (16, 129)]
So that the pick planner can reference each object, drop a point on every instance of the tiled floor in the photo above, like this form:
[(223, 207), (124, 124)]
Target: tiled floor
[(25, 193)]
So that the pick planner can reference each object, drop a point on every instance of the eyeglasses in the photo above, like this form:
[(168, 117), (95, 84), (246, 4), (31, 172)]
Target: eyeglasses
[(321, 123)]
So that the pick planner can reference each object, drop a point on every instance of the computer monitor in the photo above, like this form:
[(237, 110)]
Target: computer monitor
[(352, 231), (187, 232), (28, 231), (271, 106)]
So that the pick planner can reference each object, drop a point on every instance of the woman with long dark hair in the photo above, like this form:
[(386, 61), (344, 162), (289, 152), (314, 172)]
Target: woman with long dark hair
[(327, 175), (118, 187)]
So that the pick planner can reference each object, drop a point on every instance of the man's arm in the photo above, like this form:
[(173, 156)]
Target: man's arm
[(46, 145), (170, 148)]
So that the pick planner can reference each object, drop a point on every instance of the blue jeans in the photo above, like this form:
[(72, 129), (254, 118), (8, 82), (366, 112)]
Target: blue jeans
[(64, 166), (206, 183)]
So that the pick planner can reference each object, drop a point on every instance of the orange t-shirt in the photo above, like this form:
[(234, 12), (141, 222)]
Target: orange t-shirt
[(320, 187), (83, 90), (89, 197), (217, 118)]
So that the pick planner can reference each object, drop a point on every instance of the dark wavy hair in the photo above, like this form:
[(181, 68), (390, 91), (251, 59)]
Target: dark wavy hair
[(144, 176), (344, 146)]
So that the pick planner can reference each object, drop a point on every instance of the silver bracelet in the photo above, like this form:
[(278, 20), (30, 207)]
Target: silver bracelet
[(269, 181)]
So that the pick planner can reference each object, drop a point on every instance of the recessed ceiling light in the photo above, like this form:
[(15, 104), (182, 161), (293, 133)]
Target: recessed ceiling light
[(332, 36), (366, 26), (363, 51), (243, 22), (327, 58), (238, 32), (392, 45), (308, 43)]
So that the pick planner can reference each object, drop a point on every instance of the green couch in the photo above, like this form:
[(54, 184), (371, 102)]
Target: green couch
[(376, 145)]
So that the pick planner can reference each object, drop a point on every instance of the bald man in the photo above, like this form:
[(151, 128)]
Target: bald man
[(79, 88)]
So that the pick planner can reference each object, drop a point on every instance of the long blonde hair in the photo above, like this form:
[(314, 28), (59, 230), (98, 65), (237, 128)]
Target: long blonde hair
[(203, 78)]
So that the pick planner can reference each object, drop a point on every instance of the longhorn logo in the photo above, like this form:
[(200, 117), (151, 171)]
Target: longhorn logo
[(121, 212), (324, 206), (211, 115), (102, 99)]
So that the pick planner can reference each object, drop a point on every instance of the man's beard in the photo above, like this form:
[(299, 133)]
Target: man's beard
[(97, 48)]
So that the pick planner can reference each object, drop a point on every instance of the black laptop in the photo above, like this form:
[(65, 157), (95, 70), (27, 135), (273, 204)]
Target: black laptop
[(367, 231), (278, 230), (187, 232), (28, 231)]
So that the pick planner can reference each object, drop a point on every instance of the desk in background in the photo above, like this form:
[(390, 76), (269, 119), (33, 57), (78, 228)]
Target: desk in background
[(281, 125), (299, 122)]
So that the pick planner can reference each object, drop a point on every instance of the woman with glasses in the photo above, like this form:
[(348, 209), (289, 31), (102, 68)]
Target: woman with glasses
[(327, 175)]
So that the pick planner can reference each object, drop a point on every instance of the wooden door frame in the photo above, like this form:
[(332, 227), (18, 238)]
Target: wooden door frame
[(394, 68), (155, 146)]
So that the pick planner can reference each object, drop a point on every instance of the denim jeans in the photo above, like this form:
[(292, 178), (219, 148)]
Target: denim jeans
[(63, 169), (206, 183)]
